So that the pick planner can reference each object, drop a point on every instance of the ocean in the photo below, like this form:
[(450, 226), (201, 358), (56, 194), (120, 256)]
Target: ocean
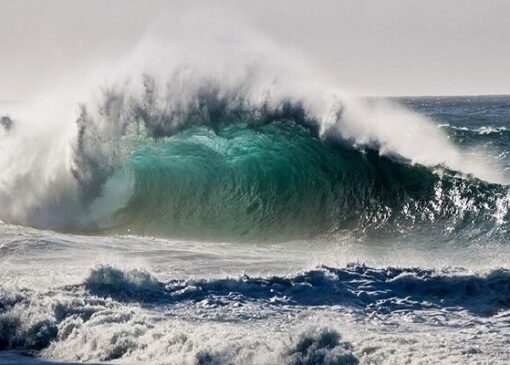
[(211, 226)]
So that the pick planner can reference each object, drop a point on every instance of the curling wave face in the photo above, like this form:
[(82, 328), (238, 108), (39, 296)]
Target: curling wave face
[(280, 181)]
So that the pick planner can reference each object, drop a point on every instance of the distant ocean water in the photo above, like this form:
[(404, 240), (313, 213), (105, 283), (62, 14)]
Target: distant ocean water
[(213, 229)]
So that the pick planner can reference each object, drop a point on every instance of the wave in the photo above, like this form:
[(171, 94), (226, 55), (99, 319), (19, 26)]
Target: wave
[(260, 173), (228, 150)]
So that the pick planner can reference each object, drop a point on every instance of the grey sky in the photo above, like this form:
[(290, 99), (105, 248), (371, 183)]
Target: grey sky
[(383, 47)]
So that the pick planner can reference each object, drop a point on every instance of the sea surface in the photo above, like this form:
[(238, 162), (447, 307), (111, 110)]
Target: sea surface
[(214, 229)]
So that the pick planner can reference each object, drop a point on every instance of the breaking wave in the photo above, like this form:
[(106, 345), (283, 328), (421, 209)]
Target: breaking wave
[(239, 150)]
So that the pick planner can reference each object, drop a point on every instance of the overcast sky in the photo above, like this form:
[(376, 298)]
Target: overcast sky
[(379, 47)]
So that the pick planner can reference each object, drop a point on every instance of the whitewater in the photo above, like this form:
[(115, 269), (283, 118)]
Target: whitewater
[(215, 199)]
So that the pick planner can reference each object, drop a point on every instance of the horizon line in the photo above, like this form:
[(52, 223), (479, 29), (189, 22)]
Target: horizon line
[(356, 95)]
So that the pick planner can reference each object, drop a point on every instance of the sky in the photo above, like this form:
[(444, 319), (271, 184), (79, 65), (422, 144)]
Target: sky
[(383, 47)]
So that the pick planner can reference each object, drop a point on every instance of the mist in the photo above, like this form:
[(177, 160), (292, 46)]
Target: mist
[(388, 47)]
